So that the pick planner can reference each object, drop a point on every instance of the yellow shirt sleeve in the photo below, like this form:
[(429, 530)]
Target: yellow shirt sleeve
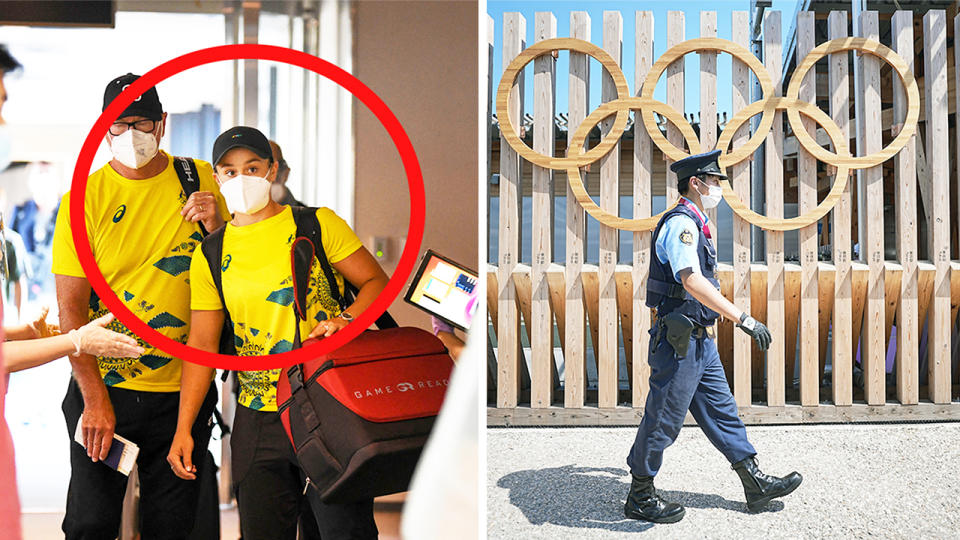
[(203, 293), (65, 260), (209, 183), (338, 239)]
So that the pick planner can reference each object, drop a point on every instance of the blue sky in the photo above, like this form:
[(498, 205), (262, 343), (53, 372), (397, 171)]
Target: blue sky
[(562, 8)]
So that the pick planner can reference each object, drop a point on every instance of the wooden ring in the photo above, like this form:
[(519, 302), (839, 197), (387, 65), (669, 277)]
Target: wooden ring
[(713, 44), (767, 107), (579, 139), (836, 137), (508, 130), (906, 77)]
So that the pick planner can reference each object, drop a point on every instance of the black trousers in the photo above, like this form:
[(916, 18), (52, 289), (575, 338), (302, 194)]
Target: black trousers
[(270, 487), (168, 504)]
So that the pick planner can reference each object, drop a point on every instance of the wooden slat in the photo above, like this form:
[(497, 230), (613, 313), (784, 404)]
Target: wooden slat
[(860, 273), (937, 151), (925, 275), (809, 293), (773, 147), (954, 291), (509, 355), (492, 290), (624, 283), (873, 347), (591, 299), (557, 287), (725, 326), (740, 175), (908, 331), (708, 103), (923, 182), (827, 274), (893, 274), (606, 349), (758, 299), (842, 306), (540, 327), (642, 208), (756, 415), (954, 303), (521, 280), (574, 344), (792, 276), (675, 34)]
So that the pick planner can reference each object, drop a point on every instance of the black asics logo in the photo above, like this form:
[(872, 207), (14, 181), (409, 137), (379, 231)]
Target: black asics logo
[(118, 215)]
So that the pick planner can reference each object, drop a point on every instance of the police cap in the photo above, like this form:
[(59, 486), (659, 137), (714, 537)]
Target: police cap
[(697, 165)]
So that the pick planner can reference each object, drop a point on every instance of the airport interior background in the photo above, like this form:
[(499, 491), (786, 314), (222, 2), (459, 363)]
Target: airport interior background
[(338, 152)]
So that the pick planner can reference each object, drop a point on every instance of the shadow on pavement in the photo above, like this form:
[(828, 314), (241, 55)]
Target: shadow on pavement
[(592, 497), (705, 501)]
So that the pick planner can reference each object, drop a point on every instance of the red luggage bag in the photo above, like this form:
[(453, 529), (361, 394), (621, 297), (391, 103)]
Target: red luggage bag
[(359, 417)]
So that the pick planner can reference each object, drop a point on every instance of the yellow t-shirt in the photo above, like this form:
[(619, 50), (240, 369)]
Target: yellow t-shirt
[(258, 290), (142, 246)]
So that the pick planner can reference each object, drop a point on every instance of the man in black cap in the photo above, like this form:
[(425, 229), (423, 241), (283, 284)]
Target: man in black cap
[(145, 211), (685, 369)]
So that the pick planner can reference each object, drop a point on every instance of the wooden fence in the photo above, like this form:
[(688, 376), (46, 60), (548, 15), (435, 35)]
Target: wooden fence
[(813, 307)]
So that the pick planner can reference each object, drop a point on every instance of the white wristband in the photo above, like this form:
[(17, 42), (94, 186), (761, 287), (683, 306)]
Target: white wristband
[(75, 338)]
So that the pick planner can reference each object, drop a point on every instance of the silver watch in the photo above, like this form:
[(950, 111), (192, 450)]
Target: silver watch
[(346, 316)]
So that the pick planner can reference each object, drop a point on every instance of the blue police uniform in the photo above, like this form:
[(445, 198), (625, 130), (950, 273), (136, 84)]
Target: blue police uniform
[(695, 382)]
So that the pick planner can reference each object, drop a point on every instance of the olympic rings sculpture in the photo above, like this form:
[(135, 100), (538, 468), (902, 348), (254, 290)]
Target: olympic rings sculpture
[(766, 107)]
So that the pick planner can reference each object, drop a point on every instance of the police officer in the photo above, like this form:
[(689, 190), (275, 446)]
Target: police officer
[(685, 369)]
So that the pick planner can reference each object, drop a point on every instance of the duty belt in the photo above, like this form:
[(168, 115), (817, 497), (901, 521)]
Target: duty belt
[(700, 332)]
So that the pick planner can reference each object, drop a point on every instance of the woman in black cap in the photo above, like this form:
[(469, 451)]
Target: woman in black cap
[(256, 284)]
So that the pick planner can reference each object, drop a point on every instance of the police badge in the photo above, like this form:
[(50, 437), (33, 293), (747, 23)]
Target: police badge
[(686, 237)]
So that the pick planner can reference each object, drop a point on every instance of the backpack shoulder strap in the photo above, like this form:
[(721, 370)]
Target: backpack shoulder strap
[(308, 226), (212, 248), (189, 180)]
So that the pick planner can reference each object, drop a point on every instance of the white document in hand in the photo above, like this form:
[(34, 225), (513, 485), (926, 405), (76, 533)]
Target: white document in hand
[(123, 453)]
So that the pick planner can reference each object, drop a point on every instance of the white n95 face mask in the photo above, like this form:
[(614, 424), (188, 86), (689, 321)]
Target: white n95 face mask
[(712, 198), (246, 194), (134, 148)]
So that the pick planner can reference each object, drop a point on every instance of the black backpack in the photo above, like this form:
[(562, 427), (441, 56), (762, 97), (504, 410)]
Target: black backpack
[(189, 180), (307, 227)]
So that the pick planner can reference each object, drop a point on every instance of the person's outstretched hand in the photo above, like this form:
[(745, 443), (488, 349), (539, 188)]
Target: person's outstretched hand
[(40, 328), (93, 338)]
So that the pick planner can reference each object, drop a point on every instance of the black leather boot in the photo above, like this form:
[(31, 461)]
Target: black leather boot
[(644, 503), (760, 488)]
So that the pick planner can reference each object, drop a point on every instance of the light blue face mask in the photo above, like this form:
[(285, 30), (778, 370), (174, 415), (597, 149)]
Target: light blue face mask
[(6, 146)]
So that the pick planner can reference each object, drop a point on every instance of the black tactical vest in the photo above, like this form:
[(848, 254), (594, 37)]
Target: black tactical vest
[(667, 294)]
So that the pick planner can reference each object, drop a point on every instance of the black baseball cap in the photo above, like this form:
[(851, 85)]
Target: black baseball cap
[(242, 137), (147, 105)]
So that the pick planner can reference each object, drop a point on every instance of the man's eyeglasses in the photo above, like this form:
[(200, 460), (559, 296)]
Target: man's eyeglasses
[(146, 126)]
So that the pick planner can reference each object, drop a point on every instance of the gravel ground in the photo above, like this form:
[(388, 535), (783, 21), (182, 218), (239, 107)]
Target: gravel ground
[(866, 481)]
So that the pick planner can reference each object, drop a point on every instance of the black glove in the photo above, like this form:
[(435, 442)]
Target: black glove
[(757, 330)]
